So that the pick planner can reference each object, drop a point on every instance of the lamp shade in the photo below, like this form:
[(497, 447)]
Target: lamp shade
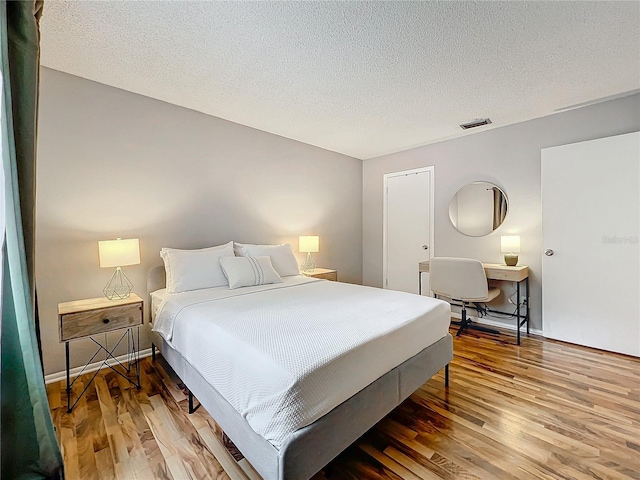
[(119, 253), (510, 244), (309, 244)]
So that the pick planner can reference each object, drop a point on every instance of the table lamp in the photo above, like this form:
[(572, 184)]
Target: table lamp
[(308, 244), (118, 253), (510, 246)]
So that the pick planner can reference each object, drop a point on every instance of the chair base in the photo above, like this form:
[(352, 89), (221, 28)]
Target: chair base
[(465, 323)]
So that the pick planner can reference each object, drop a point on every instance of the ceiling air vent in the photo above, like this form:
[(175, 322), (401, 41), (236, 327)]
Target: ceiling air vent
[(475, 123)]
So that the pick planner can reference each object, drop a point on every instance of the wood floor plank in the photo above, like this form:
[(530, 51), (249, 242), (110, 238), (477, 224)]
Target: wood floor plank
[(104, 465), (545, 410), (465, 456), (169, 381), (388, 462), (146, 474), (121, 461), (177, 468), (136, 451), (212, 461), (191, 461), (107, 406), (70, 452), (83, 430), (53, 393), (253, 475), (414, 466), (234, 471), (176, 449)]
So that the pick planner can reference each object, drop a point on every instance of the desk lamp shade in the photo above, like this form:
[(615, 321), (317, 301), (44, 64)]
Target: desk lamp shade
[(118, 253), (510, 246), (309, 244)]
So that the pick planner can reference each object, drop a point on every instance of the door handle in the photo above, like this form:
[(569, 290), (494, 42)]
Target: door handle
[(548, 252), (425, 247)]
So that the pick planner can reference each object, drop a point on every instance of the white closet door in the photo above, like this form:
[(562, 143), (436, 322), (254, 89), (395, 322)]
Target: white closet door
[(408, 227), (591, 225)]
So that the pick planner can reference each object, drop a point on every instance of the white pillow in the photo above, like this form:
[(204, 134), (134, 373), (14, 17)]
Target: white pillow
[(282, 258), (195, 269), (248, 271)]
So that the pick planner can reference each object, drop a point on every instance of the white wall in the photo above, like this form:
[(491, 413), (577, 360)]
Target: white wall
[(115, 164), (508, 157)]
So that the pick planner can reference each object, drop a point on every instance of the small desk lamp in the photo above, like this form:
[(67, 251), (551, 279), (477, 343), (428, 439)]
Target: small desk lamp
[(309, 244), (510, 246), (118, 253)]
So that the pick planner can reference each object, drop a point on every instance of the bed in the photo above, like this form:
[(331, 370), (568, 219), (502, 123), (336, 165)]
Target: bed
[(295, 372)]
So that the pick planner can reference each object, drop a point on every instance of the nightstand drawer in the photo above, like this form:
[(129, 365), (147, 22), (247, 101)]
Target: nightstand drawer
[(323, 273), (102, 320), (333, 276)]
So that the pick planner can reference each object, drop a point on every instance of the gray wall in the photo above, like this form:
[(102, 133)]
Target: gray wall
[(507, 156), (116, 164)]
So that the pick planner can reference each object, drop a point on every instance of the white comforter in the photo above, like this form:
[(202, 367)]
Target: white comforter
[(284, 355)]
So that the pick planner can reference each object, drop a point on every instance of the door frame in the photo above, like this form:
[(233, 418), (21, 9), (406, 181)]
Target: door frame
[(386, 176)]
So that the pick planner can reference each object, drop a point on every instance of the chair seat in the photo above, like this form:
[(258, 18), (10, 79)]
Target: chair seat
[(493, 293)]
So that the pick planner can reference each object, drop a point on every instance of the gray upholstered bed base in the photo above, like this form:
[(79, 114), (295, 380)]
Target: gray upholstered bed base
[(309, 449)]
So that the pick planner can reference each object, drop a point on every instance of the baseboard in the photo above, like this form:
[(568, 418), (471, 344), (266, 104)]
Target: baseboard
[(92, 367), (495, 323)]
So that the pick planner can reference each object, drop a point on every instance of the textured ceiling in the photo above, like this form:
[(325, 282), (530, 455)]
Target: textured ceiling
[(360, 78)]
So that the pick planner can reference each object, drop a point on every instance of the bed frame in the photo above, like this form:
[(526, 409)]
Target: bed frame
[(301, 456)]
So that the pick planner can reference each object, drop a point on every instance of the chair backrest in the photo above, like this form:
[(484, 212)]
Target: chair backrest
[(458, 278)]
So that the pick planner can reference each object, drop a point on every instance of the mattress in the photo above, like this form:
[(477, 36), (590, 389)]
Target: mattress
[(285, 355), (157, 298)]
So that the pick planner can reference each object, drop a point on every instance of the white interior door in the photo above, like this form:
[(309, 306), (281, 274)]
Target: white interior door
[(408, 227), (591, 222)]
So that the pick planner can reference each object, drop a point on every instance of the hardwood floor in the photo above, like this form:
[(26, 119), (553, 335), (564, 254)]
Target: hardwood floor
[(545, 410)]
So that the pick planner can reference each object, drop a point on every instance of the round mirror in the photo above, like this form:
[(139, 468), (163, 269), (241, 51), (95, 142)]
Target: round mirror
[(478, 208)]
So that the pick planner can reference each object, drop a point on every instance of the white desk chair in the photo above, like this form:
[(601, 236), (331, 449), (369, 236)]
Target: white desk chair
[(463, 280)]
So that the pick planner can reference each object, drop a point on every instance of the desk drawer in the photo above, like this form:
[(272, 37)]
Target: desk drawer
[(500, 275), (103, 320), (509, 274)]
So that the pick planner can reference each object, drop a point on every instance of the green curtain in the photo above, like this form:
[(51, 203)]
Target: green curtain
[(28, 447)]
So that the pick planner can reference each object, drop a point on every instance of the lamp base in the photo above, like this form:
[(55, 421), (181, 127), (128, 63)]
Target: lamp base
[(511, 260), (308, 265), (118, 287)]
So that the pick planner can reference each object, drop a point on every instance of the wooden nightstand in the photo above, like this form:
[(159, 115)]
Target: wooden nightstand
[(323, 273), (95, 316)]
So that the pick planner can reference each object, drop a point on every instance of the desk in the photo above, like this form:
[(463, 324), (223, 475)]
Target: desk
[(497, 271)]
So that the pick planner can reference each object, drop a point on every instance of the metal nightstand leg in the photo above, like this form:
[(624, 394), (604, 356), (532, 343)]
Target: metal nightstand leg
[(66, 350), (518, 325), (133, 356), (527, 303), (138, 359)]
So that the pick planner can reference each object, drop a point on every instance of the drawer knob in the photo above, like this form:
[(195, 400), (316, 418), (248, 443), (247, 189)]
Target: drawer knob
[(105, 321)]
